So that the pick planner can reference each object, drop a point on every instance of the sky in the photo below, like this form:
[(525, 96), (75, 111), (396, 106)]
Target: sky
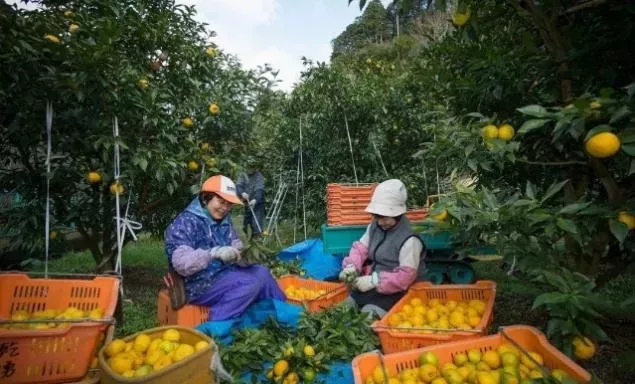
[(278, 32)]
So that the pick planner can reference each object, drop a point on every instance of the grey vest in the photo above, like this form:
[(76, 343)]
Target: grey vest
[(384, 246)]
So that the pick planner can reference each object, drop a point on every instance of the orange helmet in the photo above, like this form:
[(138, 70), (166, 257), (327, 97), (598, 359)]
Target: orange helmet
[(222, 186)]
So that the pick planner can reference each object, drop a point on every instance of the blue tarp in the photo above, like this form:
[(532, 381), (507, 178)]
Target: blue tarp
[(317, 263)]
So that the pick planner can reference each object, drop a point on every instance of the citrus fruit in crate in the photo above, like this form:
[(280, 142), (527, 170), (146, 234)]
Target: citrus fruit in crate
[(147, 353), (68, 313), (438, 315), (506, 364), (301, 293)]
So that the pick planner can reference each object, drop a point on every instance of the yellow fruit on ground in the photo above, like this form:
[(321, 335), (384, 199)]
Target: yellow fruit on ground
[(505, 132), (214, 109), (309, 351), (508, 359), (602, 145), (280, 368), (115, 347), (171, 335), (163, 362), (460, 359), (583, 348), (183, 352), (192, 165), (93, 177), (121, 363), (142, 371), (529, 363), (201, 345), (627, 218), (490, 132), (492, 359), (141, 343), (474, 356), (187, 122)]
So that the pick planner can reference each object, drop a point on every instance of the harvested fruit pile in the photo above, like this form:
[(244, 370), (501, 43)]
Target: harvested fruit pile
[(504, 365), (144, 355), (437, 314), (301, 293), (70, 313)]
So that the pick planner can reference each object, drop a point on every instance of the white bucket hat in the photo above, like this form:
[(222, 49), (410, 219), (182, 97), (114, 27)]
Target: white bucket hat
[(389, 199)]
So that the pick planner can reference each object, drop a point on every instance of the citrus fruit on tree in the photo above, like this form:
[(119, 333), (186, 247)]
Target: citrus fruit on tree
[(211, 51), (73, 27), (52, 38), (280, 368), (187, 122), (441, 216), (214, 109), (192, 165), (143, 83), (603, 145), (506, 132), (116, 188), (627, 219), (461, 18), (490, 132), (93, 177)]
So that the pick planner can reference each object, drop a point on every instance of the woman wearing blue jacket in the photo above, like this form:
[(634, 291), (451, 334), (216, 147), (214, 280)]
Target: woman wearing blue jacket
[(204, 249)]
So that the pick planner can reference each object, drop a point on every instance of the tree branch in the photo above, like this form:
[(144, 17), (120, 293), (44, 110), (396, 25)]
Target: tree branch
[(584, 5), (553, 163), (610, 186)]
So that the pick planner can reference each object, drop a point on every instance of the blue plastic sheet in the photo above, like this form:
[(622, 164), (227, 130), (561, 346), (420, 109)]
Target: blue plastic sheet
[(340, 372), (317, 263)]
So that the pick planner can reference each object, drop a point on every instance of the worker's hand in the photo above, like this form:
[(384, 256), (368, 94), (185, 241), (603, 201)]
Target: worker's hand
[(366, 283), (252, 203), (348, 272), (245, 196), (225, 254)]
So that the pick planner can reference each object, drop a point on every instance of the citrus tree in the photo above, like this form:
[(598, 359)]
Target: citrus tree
[(180, 102)]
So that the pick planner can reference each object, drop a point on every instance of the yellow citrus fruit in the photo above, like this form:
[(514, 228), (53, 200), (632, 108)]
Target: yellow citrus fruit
[(536, 374), (595, 105), (192, 165), (415, 302), (583, 348), (96, 314), (143, 83), (154, 345), (559, 375), (52, 38), (490, 132), (394, 319), (478, 305), (460, 359), (183, 351), (485, 378), (116, 188), (420, 310), (457, 318), (292, 378), (171, 335), (211, 51), (68, 14), (115, 347), (141, 343), (427, 372), (474, 321), (432, 315), (460, 18), (464, 371), (201, 345), (309, 351), (474, 355), (428, 358), (627, 218), (129, 373), (439, 380), (129, 346), (153, 356), (508, 359), (187, 122), (163, 362), (214, 109), (280, 368), (142, 371), (602, 145), (121, 363), (529, 363), (441, 216), (505, 132), (407, 309), (73, 27), (492, 359), (93, 177)]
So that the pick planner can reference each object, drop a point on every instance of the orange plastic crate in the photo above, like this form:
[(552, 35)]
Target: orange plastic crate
[(59, 354), (396, 340), (188, 316), (335, 292), (529, 338)]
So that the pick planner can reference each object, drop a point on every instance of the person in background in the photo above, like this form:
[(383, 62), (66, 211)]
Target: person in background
[(251, 188), (389, 257), (204, 250)]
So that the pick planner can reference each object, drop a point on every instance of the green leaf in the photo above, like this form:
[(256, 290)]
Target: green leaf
[(628, 136), (534, 110), (530, 125), (618, 229), (549, 298), (621, 113), (476, 115), (629, 149), (530, 190), (567, 225), (573, 208), (599, 129), (143, 163), (553, 189)]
